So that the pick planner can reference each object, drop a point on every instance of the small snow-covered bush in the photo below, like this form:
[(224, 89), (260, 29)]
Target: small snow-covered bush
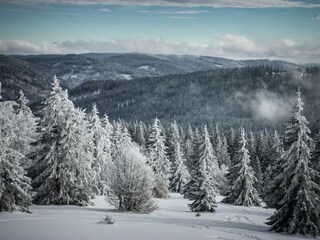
[(160, 189), (109, 219), (130, 180)]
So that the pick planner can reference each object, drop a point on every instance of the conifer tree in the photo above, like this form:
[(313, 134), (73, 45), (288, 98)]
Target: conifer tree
[(62, 163), (263, 150), (256, 166), (207, 152), (217, 145), (315, 161), (251, 144), (107, 126), (101, 151), (141, 140), (203, 187), (173, 139), (193, 164), (241, 177), (232, 143), (15, 189), (271, 180), (298, 209), (255, 161), (26, 129), (188, 147), (180, 174), (224, 153), (158, 159)]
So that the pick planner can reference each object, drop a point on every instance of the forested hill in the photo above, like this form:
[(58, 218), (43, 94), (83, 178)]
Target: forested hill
[(33, 73), (254, 97)]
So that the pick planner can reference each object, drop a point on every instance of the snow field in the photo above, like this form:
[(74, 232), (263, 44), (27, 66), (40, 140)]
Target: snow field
[(173, 220)]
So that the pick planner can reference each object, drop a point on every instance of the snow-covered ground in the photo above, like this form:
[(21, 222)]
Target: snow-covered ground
[(173, 220)]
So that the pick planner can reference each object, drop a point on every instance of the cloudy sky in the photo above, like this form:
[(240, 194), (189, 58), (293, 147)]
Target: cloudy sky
[(238, 29)]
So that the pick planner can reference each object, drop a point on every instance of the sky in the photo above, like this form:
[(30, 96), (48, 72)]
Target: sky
[(238, 29)]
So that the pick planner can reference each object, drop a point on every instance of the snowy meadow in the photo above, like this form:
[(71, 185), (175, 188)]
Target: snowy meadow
[(173, 220)]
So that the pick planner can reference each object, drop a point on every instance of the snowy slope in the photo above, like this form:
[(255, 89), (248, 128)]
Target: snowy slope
[(173, 220)]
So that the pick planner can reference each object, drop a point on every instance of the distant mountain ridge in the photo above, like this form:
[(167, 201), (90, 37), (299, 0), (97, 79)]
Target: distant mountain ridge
[(33, 73), (74, 70)]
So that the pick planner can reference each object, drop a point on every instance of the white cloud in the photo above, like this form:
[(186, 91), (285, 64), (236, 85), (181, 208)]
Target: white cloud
[(181, 3), (181, 17), (228, 46), (26, 47), (143, 11), (104, 10), (238, 44), (268, 105), (182, 12), (288, 42)]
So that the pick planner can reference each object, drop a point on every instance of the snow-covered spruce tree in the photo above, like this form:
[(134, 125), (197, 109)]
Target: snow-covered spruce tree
[(298, 209), (263, 150), (232, 143), (15, 189), (217, 145), (241, 177), (204, 188), (180, 174), (26, 129), (255, 161), (251, 144), (207, 152), (193, 163), (108, 128), (256, 166), (315, 161), (271, 179), (139, 135), (173, 138), (158, 159), (188, 144), (130, 178), (101, 151), (224, 153), (61, 170)]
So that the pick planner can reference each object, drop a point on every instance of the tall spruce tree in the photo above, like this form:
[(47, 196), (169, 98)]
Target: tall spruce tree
[(158, 159), (298, 209), (62, 163), (193, 164), (263, 150), (26, 129), (241, 177), (224, 153), (173, 139), (271, 180), (180, 174), (203, 188), (188, 145), (101, 151), (315, 161), (217, 145), (15, 189)]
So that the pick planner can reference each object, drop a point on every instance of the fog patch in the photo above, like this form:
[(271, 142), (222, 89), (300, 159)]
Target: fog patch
[(270, 106)]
